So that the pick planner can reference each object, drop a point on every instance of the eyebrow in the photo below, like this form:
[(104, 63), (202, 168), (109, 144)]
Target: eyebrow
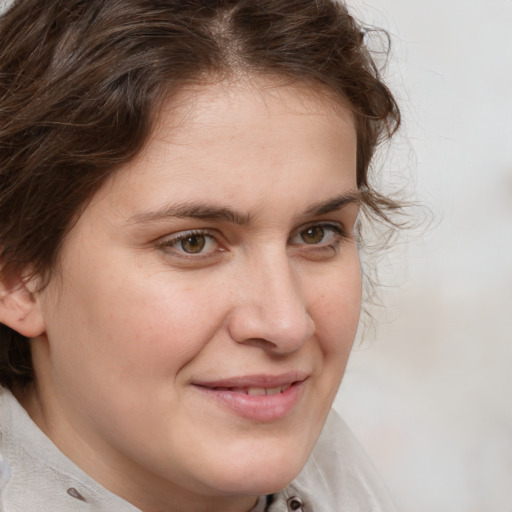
[(212, 212), (334, 204), (202, 211)]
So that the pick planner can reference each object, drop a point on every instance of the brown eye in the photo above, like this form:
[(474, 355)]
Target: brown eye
[(193, 244), (319, 236), (313, 235)]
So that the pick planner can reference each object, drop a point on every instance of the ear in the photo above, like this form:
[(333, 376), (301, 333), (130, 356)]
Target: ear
[(19, 308)]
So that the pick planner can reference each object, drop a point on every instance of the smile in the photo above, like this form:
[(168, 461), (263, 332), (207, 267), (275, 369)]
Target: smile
[(257, 398), (257, 391)]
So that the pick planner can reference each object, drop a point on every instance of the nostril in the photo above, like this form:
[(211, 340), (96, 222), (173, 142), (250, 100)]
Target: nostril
[(277, 325), (260, 343)]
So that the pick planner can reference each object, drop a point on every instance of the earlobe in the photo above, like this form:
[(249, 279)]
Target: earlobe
[(19, 309)]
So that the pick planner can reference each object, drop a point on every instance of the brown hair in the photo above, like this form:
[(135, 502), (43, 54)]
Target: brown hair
[(82, 80)]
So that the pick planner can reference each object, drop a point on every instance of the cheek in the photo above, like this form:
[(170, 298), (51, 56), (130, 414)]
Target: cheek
[(160, 329), (168, 329), (112, 325), (336, 307)]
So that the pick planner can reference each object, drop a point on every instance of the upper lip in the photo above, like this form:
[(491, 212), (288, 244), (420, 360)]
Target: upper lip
[(255, 381)]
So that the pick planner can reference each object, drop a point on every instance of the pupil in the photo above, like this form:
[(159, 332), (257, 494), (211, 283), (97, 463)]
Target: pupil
[(193, 243), (313, 235)]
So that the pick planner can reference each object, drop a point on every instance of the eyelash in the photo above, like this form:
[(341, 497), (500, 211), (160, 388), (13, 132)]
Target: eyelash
[(170, 243), (337, 236)]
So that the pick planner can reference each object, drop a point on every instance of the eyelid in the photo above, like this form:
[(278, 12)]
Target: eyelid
[(168, 242), (337, 227)]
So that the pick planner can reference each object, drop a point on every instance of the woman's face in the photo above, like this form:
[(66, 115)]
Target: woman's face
[(206, 302)]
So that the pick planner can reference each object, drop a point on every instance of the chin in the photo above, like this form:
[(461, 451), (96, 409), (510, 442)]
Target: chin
[(256, 476), (257, 483)]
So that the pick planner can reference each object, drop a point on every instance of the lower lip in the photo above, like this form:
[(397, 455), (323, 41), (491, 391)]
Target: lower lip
[(259, 408)]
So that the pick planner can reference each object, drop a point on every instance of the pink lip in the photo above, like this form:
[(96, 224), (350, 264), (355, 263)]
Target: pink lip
[(236, 394)]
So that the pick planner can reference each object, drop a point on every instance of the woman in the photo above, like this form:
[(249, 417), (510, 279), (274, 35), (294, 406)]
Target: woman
[(181, 183)]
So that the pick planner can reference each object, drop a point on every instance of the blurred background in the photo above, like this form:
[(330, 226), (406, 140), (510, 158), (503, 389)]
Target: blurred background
[(429, 393)]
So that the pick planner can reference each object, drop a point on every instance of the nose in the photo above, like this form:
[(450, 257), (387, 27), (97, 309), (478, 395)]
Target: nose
[(270, 309)]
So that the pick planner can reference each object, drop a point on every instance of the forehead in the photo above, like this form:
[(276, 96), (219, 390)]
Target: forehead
[(241, 140), (236, 119), (246, 102)]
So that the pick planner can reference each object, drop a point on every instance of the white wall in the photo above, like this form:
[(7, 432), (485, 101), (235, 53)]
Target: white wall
[(431, 397)]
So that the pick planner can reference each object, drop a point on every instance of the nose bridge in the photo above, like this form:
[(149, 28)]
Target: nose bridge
[(272, 304), (280, 288)]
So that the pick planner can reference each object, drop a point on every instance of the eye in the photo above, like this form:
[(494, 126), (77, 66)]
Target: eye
[(313, 235), (191, 243), (322, 235)]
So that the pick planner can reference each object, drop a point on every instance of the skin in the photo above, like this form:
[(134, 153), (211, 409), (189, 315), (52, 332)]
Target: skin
[(131, 322)]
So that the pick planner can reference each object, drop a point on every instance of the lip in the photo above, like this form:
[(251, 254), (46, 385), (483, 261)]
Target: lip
[(259, 398)]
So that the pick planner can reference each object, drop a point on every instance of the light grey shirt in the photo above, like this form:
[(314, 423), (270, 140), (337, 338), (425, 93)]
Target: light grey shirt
[(36, 477)]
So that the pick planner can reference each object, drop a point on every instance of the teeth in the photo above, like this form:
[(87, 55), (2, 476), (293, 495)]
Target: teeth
[(256, 391), (267, 391)]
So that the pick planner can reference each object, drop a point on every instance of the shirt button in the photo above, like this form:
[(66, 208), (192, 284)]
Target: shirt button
[(295, 503), (75, 494)]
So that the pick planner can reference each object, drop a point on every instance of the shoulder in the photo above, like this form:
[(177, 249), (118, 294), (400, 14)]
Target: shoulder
[(36, 476), (5, 475)]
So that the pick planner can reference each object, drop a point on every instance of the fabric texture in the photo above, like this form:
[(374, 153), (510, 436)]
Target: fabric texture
[(36, 477)]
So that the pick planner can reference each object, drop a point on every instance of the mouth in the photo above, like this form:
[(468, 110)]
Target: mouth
[(255, 391), (259, 398)]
